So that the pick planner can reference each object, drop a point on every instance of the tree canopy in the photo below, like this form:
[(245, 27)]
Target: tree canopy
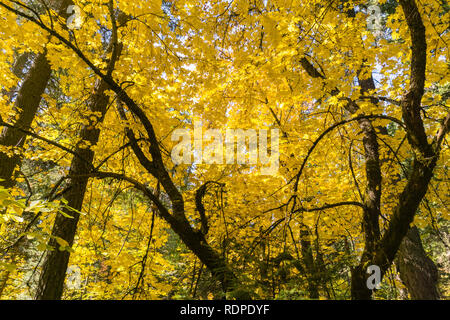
[(350, 99)]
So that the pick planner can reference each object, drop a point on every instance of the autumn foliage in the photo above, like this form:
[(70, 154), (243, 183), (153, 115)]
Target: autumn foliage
[(92, 205)]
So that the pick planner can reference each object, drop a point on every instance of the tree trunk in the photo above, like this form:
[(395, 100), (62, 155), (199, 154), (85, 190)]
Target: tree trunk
[(51, 282), (27, 102), (216, 263), (417, 270), (426, 157), (312, 275), (372, 197), (26, 105), (359, 288)]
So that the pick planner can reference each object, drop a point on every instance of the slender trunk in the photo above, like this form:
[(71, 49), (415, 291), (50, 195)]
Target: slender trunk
[(51, 281), (424, 162), (27, 103), (26, 106), (310, 265), (217, 265), (372, 200), (372, 197), (403, 216)]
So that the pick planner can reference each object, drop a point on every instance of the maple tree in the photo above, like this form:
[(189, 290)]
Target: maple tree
[(89, 186)]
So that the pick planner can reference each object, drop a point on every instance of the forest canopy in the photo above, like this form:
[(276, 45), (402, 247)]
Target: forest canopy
[(238, 149)]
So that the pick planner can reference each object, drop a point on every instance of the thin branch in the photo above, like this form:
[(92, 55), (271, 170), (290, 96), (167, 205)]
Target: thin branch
[(55, 144), (344, 122)]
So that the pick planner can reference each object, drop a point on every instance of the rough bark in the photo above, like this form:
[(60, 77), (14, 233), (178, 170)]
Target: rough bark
[(426, 158), (26, 105), (51, 281), (312, 278), (382, 252), (372, 201), (177, 219), (195, 240), (27, 102), (372, 198), (403, 216), (417, 271)]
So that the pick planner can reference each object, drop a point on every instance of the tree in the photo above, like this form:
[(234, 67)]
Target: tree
[(362, 118)]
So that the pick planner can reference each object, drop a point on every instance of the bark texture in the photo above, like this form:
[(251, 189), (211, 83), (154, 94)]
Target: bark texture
[(417, 271), (51, 281), (27, 102), (426, 157), (26, 105), (379, 250), (372, 196)]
